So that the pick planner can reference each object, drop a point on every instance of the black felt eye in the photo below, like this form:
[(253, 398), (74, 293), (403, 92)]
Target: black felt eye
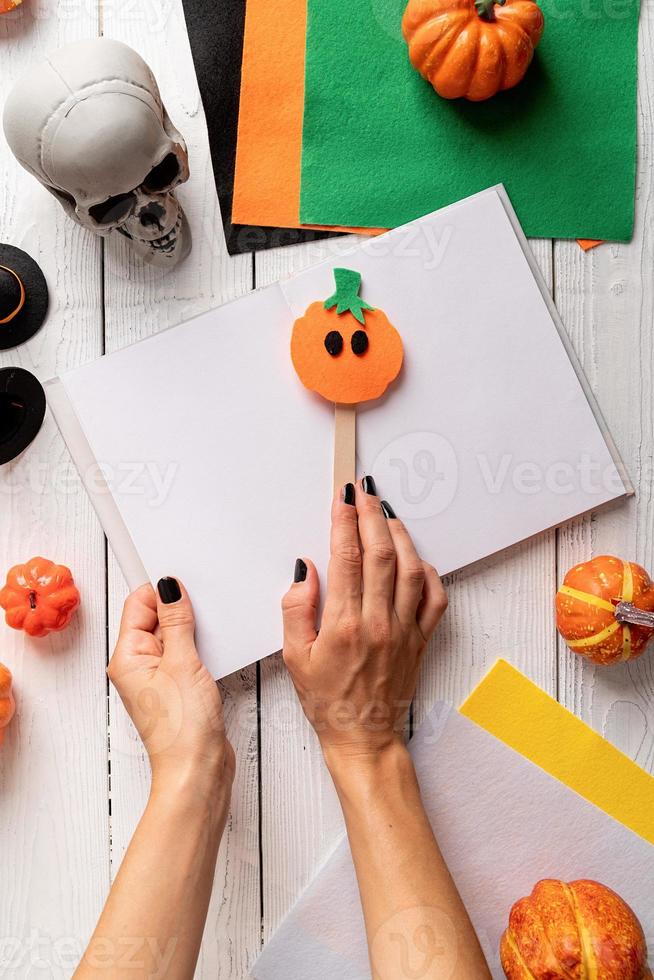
[(333, 343), (359, 342)]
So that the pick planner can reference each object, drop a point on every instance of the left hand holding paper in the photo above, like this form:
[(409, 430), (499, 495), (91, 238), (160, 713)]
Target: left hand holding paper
[(170, 695)]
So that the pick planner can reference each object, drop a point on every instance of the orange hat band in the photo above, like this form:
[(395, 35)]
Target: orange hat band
[(21, 301)]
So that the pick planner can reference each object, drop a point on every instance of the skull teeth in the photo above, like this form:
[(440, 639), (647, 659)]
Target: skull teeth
[(167, 243)]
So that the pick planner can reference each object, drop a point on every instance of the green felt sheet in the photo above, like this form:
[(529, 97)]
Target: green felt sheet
[(380, 147)]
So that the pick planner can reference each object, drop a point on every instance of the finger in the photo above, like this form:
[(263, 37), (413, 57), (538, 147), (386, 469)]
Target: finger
[(433, 603), (139, 611), (344, 573), (379, 558), (176, 619), (299, 611), (410, 572)]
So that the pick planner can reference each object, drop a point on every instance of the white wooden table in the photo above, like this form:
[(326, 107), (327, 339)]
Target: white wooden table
[(73, 778)]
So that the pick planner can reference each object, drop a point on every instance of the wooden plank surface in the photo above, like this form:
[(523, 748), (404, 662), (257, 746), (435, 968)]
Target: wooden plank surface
[(54, 815), (606, 299), (58, 842)]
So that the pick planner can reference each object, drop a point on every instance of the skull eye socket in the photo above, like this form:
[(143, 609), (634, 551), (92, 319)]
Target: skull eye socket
[(333, 343), (359, 342), (163, 175), (114, 209)]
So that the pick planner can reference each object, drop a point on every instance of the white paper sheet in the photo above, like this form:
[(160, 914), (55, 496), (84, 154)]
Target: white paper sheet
[(219, 461), (502, 825)]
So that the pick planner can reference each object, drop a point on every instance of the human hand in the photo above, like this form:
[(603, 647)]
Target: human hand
[(169, 694), (357, 677)]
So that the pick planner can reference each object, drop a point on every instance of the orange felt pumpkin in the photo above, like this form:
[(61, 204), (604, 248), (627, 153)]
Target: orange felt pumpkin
[(7, 703), (6, 6), (39, 597), (573, 931), (586, 604), (472, 49), (344, 349)]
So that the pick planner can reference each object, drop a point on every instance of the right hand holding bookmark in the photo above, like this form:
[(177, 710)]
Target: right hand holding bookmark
[(357, 677)]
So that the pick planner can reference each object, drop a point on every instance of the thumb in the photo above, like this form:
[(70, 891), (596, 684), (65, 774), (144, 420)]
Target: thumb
[(300, 609), (176, 619)]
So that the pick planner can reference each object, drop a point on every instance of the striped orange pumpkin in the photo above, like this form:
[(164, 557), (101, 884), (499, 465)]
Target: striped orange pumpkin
[(580, 930), (585, 609)]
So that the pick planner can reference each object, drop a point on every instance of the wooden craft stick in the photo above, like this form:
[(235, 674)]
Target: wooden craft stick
[(345, 446)]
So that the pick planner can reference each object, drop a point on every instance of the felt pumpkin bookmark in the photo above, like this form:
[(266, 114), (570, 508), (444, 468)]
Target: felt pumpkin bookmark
[(348, 352)]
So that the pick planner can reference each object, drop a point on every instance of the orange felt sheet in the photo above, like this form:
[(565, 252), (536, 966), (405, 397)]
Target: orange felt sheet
[(269, 146), (588, 243)]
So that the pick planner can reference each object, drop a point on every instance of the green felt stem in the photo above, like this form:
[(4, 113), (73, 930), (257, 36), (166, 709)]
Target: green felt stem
[(346, 299), (485, 8)]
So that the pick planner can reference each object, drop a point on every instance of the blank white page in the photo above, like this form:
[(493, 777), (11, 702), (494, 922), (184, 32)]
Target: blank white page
[(487, 437), (219, 461), (216, 405)]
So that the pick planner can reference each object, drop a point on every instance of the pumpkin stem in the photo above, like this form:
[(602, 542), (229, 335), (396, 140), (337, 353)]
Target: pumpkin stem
[(485, 8), (32, 598), (626, 612), (346, 299)]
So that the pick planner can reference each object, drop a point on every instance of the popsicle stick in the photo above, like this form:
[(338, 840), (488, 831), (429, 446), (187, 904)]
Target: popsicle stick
[(345, 446)]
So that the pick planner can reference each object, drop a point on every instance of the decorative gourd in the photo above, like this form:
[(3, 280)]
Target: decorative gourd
[(472, 49), (344, 349), (586, 609), (7, 703), (6, 6), (580, 930), (39, 597)]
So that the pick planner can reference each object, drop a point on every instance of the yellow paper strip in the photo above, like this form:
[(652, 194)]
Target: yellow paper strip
[(528, 720)]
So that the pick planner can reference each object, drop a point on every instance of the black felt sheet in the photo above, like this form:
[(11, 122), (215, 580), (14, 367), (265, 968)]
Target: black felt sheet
[(215, 29)]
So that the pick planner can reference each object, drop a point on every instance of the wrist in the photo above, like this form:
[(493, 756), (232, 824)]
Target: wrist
[(203, 784), (363, 772)]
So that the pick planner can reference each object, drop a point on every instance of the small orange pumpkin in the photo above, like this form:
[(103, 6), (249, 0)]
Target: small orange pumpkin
[(6, 6), (344, 349), (578, 930), (39, 597), (586, 605), (7, 703), (472, 49)]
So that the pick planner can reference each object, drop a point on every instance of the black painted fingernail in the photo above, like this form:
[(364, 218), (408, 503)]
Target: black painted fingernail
[(169, 590), (369, 486), (300, 573), (348, 494), (389, 513)]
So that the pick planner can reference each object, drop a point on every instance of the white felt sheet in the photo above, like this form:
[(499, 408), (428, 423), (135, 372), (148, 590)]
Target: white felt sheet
[(218, 461), (502, 824)]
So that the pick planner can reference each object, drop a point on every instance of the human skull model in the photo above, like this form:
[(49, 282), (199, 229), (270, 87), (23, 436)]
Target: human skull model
[(89, 124)]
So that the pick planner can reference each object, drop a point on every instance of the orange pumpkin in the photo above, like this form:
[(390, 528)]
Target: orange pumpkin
[(472, 49), (39, 597), (585, 609), (7, 703), (6, 6), (573, 931), (344, 349)]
